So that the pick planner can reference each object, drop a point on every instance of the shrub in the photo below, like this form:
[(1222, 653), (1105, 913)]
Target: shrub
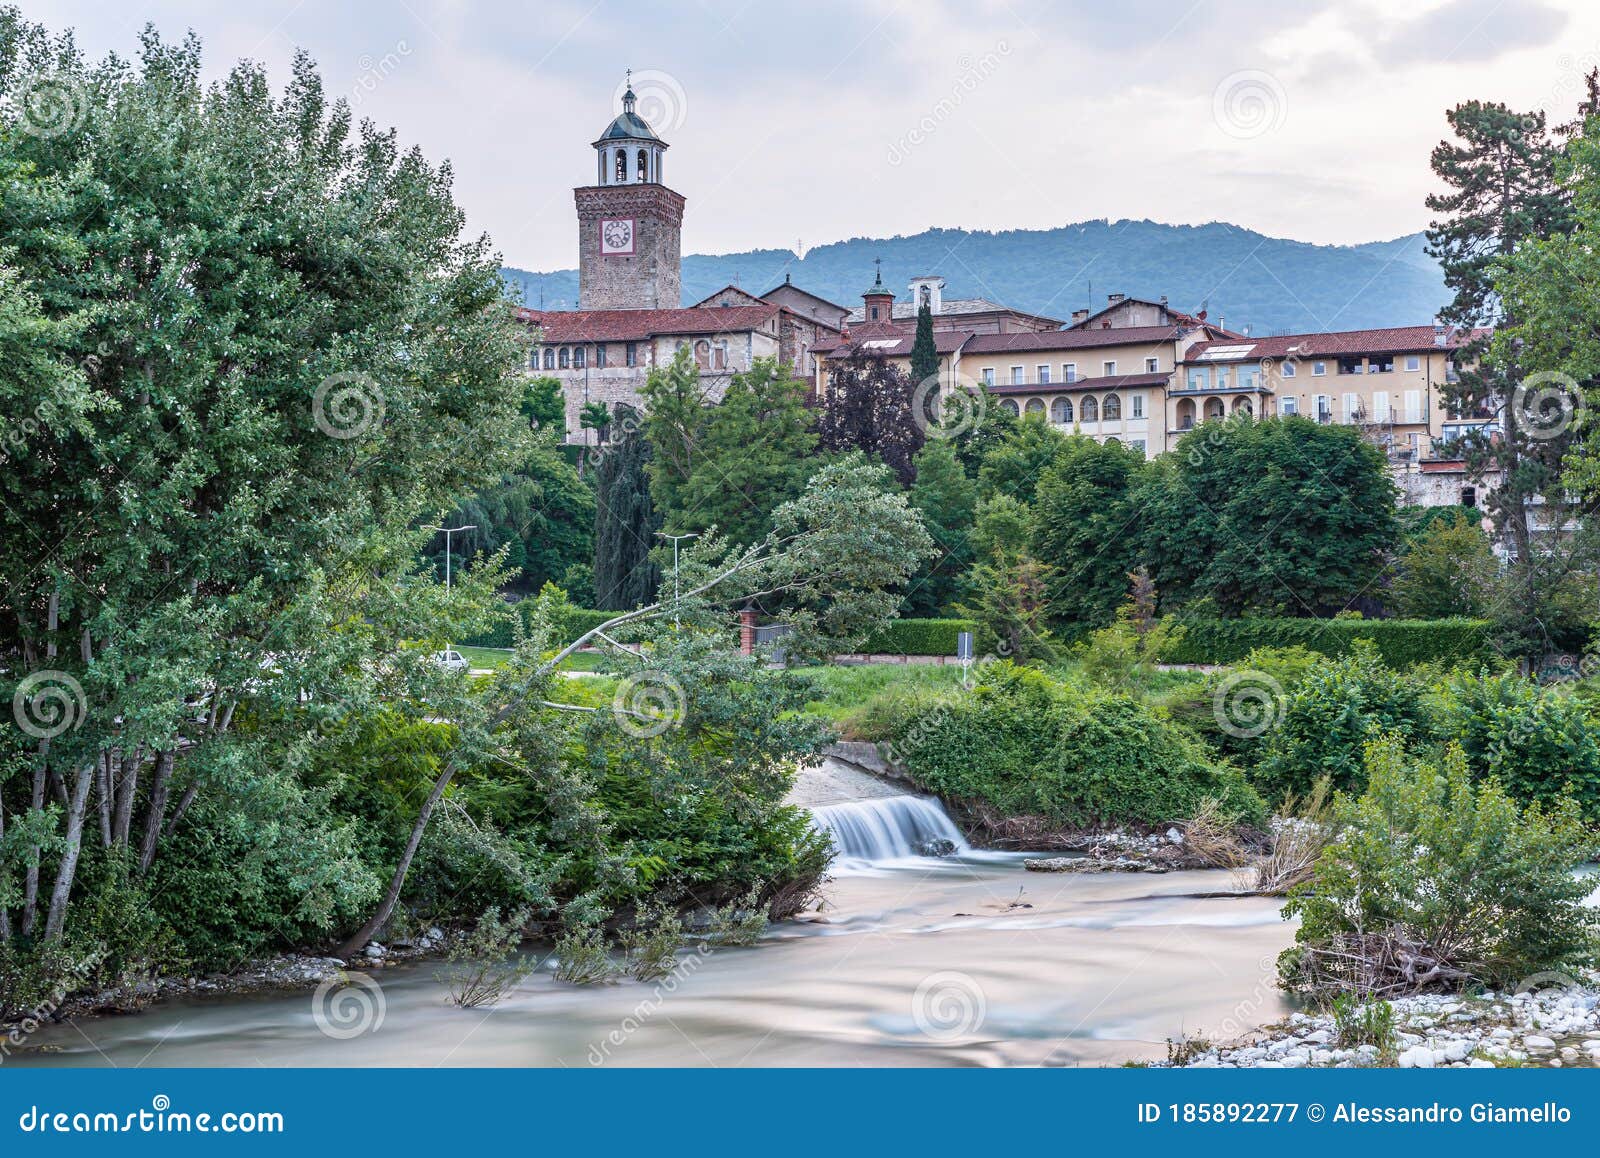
[(651, 946), (1356, 1024), (1435, 883), (1328, 721), (1536, 741), (916, 637), (1399, 642), (481, 965), (741, 921), (582, 957), (1021, 742)]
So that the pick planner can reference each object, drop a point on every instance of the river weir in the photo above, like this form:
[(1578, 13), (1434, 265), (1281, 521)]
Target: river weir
[(957, 960)]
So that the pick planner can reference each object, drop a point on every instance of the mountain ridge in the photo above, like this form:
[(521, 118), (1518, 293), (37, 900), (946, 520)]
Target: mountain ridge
[(1272, 285)]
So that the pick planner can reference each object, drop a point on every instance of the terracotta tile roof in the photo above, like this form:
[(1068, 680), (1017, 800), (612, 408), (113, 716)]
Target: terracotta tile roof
[(875, 338), (1394, 340), (1105, 382), (638, 325), (1071, 339), (907, 311)]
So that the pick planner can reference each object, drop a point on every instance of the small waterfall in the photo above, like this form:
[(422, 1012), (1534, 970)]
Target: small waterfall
[(887, 828)]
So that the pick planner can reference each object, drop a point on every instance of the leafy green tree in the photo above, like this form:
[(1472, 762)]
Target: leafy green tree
[(544, 405), (975, 438), (1085, 522), (868, 407), (626, 522), (924, 351), (676, 407), (1274, 517), (252, 349), (752, 452), (1502, 197), (945, 498), (1015, 464), (1450, 569)]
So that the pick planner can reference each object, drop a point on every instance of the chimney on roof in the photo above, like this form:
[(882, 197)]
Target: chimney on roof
[(1079, 316), (1163, 299), (1113, 299), (1441, 332), (1222, 322)]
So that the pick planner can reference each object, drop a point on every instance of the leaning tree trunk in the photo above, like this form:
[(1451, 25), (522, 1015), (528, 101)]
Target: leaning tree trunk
[(157, 811), (56, 920)]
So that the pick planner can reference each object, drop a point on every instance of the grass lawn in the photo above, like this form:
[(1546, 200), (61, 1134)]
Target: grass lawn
[(494, 658), (846, 687)]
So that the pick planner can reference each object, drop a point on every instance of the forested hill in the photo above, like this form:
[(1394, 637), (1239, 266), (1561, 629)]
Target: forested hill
[(1268, 283)]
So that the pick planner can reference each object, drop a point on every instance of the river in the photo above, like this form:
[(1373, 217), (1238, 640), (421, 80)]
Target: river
[(967, 960)]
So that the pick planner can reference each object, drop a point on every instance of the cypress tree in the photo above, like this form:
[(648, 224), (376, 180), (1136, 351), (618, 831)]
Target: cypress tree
[(625, 521), (924, 354)]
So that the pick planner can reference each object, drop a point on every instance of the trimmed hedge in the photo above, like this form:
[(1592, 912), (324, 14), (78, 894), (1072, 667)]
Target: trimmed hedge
[(916, 637), (577, 621), (1400, 642)]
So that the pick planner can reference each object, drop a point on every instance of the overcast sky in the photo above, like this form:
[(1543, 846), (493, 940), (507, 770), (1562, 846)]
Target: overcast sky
[(799, 124)]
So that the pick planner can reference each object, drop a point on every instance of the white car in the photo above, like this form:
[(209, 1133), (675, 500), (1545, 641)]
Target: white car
[(451, 660)]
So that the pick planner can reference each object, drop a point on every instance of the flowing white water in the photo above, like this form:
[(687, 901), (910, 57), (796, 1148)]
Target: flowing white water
[(888, 828)]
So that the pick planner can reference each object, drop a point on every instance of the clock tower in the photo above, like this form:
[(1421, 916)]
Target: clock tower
[(628, 221)]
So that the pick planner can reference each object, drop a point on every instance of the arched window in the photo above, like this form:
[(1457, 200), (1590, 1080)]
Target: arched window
[(622, 166), (1009, 405), (702, 354), (1061, 411), (644, 166), (1112, 408), (1113, 441), (566, 357), (533, 359), (1242, 406), (549, 357), (1214, 409), (1090, 409), (1035, 406)]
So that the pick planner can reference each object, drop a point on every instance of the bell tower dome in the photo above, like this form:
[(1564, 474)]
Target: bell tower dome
[(628, 221)]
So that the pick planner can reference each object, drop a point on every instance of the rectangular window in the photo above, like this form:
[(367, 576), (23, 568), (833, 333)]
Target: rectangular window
[(1248, 374), (1349, 365), (600, 357), (1318, 369), (1069, 371), (1152, 365), (1352, 407), (631, 353), (1136, 405), (1137, 444), (1288, 369), (1324, 408), (1017, 376), (1044, 375), (1222, 378), (1413, 405), (988, 375), (1380, 365), (1413, 362), (1380, 406), (1288, 407), (1111, 369), (1197, 378)]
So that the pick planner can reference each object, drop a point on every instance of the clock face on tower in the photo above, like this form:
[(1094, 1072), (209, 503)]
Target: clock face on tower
[(616, 235)]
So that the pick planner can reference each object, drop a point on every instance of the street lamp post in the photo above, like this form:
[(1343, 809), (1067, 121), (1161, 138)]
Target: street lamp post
[(448, 531), (675, 540)]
